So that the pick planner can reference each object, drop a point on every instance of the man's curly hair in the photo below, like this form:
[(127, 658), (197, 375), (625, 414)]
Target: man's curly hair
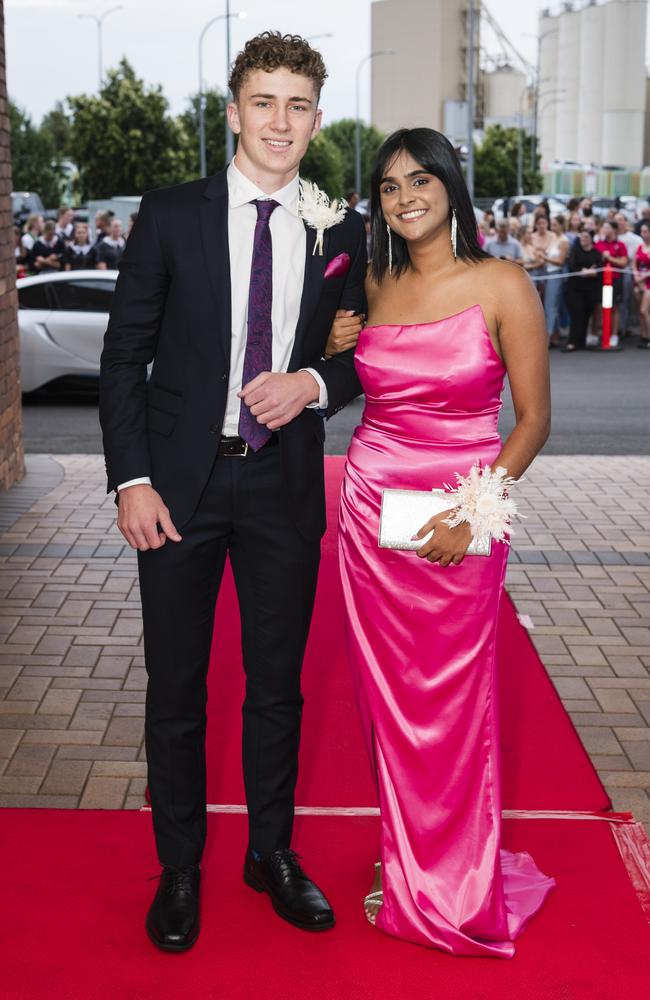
[(272, 50)]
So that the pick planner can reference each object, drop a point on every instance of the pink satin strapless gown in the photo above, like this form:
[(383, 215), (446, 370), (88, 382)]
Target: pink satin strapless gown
[(421, 641)]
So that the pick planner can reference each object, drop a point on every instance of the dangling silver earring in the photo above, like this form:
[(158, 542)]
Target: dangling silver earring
[(390, 249), (454, 230)]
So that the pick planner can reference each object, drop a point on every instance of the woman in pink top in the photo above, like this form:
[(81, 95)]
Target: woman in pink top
[(641, 271), (615, 253)]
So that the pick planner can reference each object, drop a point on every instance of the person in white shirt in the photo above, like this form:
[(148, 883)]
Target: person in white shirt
[(31, 232), (228, 285), (632, 241)]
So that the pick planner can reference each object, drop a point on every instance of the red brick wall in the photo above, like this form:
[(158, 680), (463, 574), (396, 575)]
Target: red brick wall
[(12, 466)]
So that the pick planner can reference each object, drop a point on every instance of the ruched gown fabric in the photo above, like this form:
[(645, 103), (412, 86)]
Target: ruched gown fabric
[(421, 642)]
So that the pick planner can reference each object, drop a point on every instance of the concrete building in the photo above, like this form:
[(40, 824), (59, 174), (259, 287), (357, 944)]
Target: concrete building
[(424, 82), (507, 98), (592, 102)]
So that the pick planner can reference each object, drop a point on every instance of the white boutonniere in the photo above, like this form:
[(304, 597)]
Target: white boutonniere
[(315, 208)]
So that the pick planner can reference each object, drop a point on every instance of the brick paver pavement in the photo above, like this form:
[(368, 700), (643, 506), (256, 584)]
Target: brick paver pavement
[(72, 677)]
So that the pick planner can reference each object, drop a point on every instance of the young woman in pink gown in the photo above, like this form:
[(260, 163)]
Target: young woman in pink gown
[(443, 330)]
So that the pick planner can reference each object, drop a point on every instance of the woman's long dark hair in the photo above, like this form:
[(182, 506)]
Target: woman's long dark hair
[(435, 154)]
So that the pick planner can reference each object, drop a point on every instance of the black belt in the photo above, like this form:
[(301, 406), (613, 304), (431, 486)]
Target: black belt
[(236, 447)]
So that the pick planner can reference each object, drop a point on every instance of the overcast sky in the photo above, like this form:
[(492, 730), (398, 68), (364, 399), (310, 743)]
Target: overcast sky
[(46, 40)]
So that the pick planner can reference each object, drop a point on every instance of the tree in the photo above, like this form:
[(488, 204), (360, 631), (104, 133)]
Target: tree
[(322, 165), (342, 134), (495, 164), (215, 131), (124, 140), (58, 125), (34, 163)]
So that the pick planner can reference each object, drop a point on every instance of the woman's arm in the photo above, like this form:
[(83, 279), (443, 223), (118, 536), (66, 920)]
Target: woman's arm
[(523, 341), (562, 255), (574, 254), (618, 261), (524, 346), (346, 327)]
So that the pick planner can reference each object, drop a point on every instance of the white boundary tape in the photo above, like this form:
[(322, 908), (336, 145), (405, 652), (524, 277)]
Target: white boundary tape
[(561, 275), (238, 810), (629, 836)]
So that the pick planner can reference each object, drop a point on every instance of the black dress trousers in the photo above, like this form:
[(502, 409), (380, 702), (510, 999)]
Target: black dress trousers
[(243, 513)]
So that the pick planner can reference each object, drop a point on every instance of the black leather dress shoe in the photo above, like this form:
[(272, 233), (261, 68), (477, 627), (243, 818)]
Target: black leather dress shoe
[(173, 918), (294, 896)]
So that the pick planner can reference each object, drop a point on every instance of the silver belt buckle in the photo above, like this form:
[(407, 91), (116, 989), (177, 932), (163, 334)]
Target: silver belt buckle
[(245, 451)]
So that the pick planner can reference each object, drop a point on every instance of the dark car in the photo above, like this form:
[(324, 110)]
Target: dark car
[(24, 204)]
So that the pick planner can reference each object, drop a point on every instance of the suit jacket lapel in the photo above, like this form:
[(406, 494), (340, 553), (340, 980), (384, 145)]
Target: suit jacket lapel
[(315, 265), (214, 234)]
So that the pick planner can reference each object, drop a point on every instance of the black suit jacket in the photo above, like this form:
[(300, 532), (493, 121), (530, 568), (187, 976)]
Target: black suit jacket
[(172, 306)]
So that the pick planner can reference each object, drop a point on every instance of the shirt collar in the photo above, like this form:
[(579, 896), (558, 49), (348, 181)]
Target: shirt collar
[(241, 190)]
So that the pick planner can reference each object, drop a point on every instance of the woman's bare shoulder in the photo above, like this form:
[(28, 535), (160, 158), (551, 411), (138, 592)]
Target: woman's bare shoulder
[(371, 284), (493, 272), (503, 288)]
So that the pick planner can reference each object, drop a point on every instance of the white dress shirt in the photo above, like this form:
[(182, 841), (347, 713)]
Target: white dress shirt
[(631, 242), (289, 237)]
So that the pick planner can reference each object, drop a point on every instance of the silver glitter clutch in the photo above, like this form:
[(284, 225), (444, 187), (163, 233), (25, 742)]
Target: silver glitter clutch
[(404, 512)]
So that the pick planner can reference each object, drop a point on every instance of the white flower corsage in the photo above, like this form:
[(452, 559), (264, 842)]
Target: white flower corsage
[(483, 502), (315, 208)]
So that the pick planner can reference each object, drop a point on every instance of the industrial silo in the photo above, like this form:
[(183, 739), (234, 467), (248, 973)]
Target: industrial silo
[(590, 85), (506, 92), (623, 68), (546, 104), (566, 122)]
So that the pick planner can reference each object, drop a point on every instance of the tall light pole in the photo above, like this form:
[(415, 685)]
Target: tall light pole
[(357, 115), (533, 138), (470, 98), (99, 21), (229, 136), (556, 100), (520, 144)]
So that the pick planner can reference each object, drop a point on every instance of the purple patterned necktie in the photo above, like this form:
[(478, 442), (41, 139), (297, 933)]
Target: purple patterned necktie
[(259, 341)]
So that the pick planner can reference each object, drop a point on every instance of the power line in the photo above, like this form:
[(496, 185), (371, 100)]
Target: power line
[(505, 42)]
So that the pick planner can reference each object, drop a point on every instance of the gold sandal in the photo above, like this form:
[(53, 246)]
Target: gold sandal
[(375, 898)]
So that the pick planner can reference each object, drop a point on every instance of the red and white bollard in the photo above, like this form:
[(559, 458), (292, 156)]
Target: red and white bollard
[(608, 304)]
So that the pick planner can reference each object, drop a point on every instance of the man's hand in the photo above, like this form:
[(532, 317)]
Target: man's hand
[(277, 398), (345, 332), (144, 519)]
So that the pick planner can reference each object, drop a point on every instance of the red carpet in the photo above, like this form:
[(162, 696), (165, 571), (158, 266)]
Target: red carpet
[(544, 765), (75, 896)]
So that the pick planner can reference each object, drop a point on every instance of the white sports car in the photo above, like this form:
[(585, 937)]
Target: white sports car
[(62, 317)]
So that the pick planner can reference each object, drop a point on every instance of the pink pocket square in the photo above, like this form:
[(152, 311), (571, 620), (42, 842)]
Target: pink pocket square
[(338, 266)]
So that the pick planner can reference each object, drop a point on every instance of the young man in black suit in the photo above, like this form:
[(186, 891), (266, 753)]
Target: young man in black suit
[(226, 286)]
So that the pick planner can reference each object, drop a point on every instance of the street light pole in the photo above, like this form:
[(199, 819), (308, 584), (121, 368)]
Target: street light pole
[(533, 138), (357, 115), (229, 137), (99, 21), (557, 100), (520, 140)]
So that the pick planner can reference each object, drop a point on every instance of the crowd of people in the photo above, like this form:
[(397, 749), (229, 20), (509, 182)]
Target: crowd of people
[(565, 257), (43, 245)]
